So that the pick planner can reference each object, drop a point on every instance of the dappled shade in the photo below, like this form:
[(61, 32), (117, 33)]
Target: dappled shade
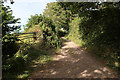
[(74, 62)]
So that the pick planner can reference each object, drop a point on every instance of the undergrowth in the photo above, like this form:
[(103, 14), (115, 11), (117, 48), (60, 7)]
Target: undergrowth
[(21, 64), (96, 43)]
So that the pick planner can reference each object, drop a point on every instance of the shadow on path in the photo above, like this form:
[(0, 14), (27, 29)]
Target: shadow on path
[(73, 62)]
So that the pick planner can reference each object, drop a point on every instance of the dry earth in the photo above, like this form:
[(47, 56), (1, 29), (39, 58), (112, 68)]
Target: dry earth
[(74, 62)]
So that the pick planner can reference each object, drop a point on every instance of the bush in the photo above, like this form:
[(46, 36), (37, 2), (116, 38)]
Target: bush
[(99, 32), (9, 47)]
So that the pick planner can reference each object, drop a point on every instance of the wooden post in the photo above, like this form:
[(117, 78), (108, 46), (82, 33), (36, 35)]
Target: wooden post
[(34, 36)]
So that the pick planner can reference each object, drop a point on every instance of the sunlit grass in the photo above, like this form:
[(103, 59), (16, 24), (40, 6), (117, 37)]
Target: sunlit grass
[(75, 39)]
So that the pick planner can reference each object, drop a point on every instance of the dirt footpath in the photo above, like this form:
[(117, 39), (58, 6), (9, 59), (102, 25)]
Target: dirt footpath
[(73, 62)]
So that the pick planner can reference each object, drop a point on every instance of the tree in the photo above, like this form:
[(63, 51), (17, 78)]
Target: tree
[(8, 19), (8, 26), (46, 26), (34, 20), (60, 16), (98, 28)]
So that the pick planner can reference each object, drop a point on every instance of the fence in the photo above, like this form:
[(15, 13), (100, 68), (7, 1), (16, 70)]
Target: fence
[(30, 37)]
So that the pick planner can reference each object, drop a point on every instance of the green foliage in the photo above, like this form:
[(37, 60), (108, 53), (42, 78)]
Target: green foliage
[(94, 26), (8, 19), (8, 40), (48, 31), (19, 66), (98, 29), (34, 20), (59, 16), (50, 36), (74, 31)]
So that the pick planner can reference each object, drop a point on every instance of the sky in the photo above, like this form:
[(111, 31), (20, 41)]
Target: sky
[(24, 8)]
